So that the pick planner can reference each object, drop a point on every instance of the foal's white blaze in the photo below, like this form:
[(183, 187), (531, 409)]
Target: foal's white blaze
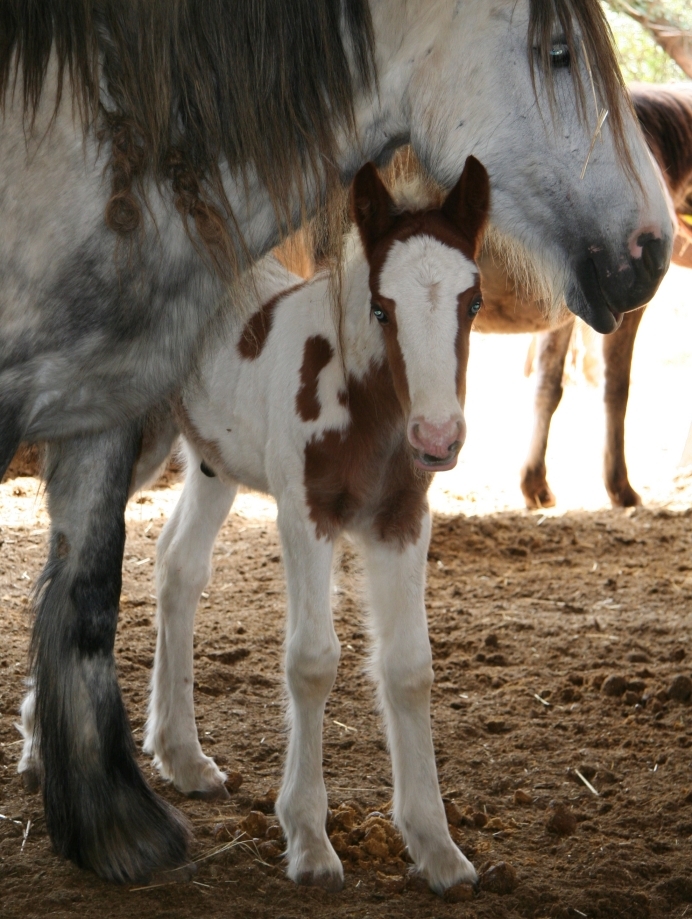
[(424, 277)]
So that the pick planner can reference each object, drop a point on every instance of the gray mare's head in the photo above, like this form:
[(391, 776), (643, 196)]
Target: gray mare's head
[(523, 85)]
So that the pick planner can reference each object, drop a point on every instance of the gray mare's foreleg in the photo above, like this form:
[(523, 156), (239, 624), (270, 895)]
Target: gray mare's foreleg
[(99, 810), (551, 352)]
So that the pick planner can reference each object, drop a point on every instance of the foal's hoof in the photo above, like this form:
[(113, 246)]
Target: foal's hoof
[(215, 793), (332, 881)]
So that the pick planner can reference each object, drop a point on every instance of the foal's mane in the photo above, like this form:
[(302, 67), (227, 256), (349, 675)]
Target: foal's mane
[(665, 114), (176, 87)]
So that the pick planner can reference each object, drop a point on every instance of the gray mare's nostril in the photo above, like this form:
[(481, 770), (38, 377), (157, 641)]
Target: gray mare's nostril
[(654, 258)]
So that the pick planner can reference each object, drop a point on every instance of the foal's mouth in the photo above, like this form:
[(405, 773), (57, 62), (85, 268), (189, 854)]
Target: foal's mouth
[(430, 463)]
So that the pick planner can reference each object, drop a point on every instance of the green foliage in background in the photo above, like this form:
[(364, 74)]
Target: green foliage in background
[(640, 57)]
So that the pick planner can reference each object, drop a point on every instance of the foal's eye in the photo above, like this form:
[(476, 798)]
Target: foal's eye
[(476, 305), (378, 312), (559, 55)]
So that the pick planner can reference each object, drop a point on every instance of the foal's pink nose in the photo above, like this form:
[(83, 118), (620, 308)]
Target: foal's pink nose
[(438, 441)]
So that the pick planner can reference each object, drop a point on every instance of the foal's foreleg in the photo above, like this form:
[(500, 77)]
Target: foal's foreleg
[(183, 568), (617, 363), (99, 810), (402, 666), (312, 655), (551, 352)]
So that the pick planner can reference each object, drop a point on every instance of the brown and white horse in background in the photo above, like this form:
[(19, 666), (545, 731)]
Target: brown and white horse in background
[(665, 114), (344, 422)]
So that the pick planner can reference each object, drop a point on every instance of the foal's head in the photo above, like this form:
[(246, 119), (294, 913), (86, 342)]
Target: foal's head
[(425, 291)]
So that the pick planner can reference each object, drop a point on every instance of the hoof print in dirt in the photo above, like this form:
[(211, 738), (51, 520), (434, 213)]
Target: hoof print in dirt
[(561, 821), (500, 878)]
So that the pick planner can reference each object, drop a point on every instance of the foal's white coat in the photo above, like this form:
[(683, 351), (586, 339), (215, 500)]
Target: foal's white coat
[(242, 417)]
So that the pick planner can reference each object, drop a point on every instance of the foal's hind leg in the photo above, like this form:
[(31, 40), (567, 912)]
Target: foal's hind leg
[(183, 568), (617, 363), (402, 665), (99, 810), (312, 655), (550, 359)]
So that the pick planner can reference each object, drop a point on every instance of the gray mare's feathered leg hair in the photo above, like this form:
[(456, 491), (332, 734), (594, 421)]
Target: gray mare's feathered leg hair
[(99, 810)]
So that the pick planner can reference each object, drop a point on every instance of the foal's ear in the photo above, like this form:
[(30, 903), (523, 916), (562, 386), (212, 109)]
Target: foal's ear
[(372, 207), (468, 203)]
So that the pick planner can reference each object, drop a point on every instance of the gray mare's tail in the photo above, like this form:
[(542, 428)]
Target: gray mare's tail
[(99, 810)]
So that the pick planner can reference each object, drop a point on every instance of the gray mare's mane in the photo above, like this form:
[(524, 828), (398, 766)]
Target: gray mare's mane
[(260, 84)]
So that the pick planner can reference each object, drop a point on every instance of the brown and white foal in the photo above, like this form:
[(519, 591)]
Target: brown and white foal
[(346, 437)]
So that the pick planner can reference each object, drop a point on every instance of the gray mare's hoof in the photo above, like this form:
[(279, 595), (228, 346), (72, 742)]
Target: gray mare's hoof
[(327, 880)]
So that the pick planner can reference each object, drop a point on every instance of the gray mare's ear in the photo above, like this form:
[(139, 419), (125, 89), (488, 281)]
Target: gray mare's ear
[(468, 203), (372, 207)]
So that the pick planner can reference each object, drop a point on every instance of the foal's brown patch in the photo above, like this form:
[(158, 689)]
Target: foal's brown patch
[(317, 353), (368, 467), (259, 325)]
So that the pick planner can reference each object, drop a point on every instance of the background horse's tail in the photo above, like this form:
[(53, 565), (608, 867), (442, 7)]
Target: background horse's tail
[(99, 810)]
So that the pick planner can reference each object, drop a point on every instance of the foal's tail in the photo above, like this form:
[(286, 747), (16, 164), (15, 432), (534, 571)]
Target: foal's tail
[(99, 810)]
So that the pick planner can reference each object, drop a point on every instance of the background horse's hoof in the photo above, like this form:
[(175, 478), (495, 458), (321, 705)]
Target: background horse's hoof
[(332, 881), (624, 497), (537, 493)]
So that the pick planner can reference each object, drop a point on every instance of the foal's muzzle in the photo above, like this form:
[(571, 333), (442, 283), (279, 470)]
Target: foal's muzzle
[(436, 446)]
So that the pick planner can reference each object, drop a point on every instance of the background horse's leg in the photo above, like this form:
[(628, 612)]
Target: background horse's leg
[(402, 665), (99, 810), (551, 352), (617, 361), (312, 655), (183, 569)]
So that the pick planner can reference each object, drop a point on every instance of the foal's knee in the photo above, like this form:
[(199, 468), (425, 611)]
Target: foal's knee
[(311, 668), (408, 676), (178, 572)]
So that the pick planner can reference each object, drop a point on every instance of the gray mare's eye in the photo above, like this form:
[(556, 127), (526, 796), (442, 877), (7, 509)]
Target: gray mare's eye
[(476, 305), (559, 55), (378, 312)]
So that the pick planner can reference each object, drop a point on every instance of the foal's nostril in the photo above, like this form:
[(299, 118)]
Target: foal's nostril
[(654, 257)]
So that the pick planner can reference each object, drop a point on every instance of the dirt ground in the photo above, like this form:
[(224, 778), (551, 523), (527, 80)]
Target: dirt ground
[(562, 649)]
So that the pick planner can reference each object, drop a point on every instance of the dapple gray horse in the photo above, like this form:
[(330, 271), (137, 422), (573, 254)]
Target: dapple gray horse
[(150, 149)]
